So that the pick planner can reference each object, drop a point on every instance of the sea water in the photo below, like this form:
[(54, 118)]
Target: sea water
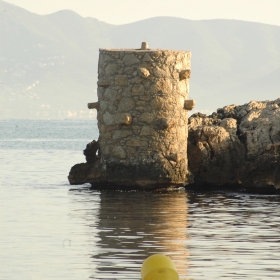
[(51, 230)]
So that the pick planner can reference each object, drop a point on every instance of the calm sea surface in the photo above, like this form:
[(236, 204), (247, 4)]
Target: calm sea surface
[(51, 230)]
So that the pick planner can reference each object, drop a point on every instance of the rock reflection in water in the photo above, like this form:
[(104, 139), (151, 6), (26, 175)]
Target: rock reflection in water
[(208, 235), (233, 236), (132, 226)]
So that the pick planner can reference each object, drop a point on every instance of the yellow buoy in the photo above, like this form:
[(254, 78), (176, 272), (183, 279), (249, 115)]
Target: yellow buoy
[(159, 267)]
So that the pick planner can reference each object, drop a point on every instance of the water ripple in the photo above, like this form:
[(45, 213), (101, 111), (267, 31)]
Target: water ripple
[(51, 232)]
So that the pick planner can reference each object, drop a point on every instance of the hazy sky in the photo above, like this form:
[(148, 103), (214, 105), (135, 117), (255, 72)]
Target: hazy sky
[(125, 11)]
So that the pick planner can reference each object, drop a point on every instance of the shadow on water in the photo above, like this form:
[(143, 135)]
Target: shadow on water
[(133, 225)]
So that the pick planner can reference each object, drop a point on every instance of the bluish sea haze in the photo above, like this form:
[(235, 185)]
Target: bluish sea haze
[(51, 230)]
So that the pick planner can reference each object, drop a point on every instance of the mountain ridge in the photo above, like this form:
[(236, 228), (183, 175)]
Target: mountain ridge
[(50, 61)]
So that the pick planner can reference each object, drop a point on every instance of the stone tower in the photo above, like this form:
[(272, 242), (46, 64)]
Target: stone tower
[(142, 114)]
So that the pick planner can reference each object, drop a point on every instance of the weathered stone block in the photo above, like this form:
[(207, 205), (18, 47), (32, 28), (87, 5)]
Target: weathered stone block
[(114, 119), (125, 119), (162, 86), (140, 108), (119, 152), (136, 142), (147, 130), (147, 58), (161, 73), (111, 69), (143, 72), (102, 83), (121, 80), (136, 80), (141, 103), (121, 134), (126, 104), (189, 104), (138, 90), (136, 129), (185, 74), (130, 59), (157, 103), (131, 152), (93, 105), (146, 118), (108, 135), (108, 118)]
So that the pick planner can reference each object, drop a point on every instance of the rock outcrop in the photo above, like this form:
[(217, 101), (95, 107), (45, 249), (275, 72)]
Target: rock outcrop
[(236, 146)]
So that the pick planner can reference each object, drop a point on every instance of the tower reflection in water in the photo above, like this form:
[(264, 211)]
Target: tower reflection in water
[(132, 226)]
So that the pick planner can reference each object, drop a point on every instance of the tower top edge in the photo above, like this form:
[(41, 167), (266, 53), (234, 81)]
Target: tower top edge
[(143, 51)]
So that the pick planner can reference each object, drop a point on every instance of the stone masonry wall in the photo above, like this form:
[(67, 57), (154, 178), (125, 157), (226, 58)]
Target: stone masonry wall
[(142, 115)]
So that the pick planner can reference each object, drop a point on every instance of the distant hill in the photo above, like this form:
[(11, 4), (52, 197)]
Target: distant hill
[(48, 63)]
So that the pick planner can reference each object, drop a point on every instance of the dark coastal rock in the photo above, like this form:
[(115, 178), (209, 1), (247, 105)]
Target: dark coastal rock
[(119, 175), (82, 172), (91, 152), (236, 146)]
